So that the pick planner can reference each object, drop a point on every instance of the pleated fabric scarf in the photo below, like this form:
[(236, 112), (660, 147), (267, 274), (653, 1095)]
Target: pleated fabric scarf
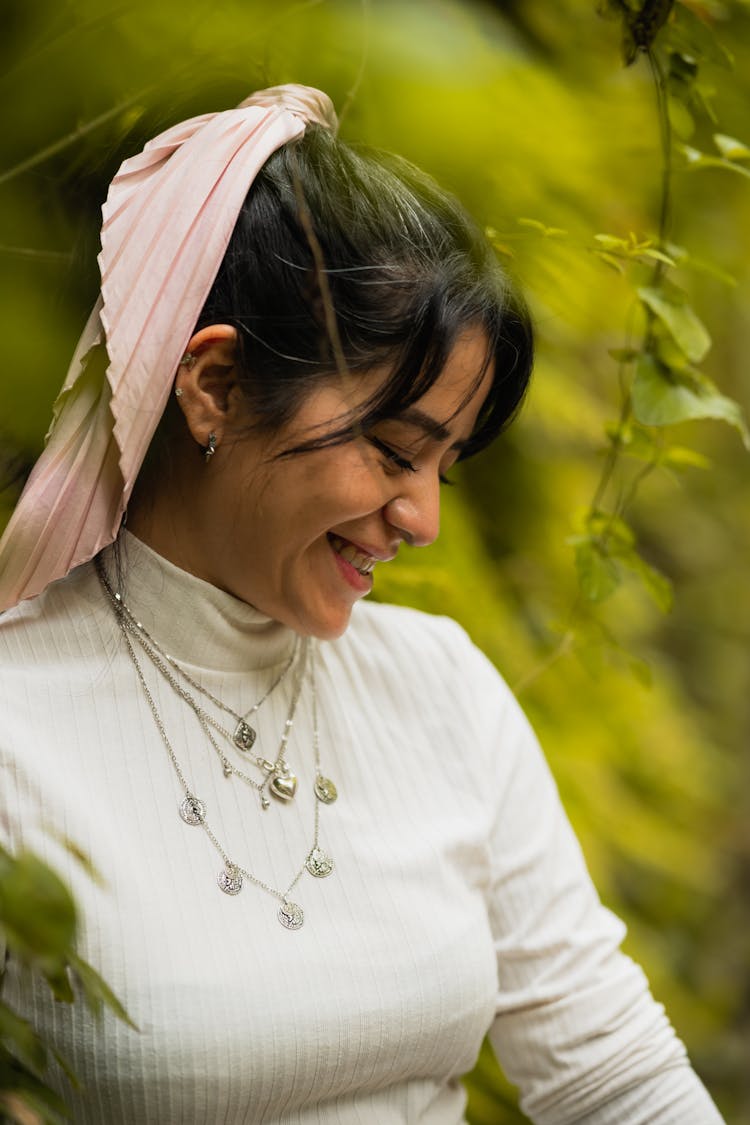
[(167, 221)]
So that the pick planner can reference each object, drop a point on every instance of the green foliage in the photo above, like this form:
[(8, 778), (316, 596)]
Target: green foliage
[(38, 927), (659, 383)]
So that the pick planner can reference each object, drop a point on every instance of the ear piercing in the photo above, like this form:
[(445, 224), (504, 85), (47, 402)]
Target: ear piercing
[(188, 360), (210, 449), (178, 392)]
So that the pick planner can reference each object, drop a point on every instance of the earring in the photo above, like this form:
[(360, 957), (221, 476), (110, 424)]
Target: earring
[(210, 449), (188, 360), (178, 392)]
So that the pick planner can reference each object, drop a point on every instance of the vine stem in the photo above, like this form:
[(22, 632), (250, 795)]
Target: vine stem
[(665, 214), (665, 129), (566, 644)]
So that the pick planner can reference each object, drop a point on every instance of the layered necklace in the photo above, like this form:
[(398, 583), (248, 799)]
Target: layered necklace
[(276, 776)]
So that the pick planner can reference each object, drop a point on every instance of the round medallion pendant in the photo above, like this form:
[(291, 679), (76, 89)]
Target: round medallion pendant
[(229, 880), (325, 790), (244, 736), (291, 915), (192, 810), (319, 864)]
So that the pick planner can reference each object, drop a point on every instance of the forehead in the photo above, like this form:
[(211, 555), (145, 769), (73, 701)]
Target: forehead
[(448, 408), (463, 382)]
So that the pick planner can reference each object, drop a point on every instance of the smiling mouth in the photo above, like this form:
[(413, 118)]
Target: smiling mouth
[(351, 554)]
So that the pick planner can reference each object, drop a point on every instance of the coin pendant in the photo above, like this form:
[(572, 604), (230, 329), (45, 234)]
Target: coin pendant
[(230, 880), (244, 736), (319, 864), (291, 916), (192, 810), (325, 790)]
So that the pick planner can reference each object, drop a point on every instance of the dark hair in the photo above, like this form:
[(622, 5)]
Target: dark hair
[(407, 271)]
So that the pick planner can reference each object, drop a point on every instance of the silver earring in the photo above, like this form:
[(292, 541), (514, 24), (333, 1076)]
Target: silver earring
[(178, 392), (210, 449), (188, 360)]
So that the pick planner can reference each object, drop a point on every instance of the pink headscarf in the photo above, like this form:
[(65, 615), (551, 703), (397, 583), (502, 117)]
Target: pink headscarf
[(167, 221)]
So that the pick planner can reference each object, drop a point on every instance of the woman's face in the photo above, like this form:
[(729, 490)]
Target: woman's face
[(299, 537)]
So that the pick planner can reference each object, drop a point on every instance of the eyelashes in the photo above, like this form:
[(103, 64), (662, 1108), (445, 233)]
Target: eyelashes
[(391, 455), (394, 458)]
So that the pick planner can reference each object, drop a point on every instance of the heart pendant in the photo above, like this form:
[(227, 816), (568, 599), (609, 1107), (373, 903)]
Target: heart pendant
[(283, 786)]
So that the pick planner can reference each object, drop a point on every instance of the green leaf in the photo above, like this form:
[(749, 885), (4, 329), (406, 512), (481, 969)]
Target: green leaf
[(611, 242), (36, 908), (682, 68), (680, 118), (610, 260), (662, 398), (670, 354), (639, 442), (611, 530), (548, 232), (58, 980), (655, 583), (681, 457), (598, 575), (66, 1068), (669, 304), (658, 256), (697, 159), (730, 148), (703, 95), (97, 992), (80, 856), (692, 37), (19, 1038), (613, 543), (30, 1096)]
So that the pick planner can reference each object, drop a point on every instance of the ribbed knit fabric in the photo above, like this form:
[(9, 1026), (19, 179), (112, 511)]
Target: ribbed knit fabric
[(459, 902)]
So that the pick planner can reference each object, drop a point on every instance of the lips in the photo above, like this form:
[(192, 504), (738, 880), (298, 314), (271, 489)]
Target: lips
[(361, 562)]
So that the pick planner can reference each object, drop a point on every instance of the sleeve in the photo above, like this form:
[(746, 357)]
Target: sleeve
[(575, 1028)]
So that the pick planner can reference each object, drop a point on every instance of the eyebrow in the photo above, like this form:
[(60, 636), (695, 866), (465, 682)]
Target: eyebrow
[(430, 426)]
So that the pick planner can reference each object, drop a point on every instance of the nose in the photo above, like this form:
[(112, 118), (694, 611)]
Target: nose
[(414, 512)]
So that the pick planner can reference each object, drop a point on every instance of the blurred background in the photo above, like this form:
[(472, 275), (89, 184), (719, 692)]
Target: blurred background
[(525, 110)]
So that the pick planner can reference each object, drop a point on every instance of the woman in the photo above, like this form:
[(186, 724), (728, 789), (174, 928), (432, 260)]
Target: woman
[(202, 699)]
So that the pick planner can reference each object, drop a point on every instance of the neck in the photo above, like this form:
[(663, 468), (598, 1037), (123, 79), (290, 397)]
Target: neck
[(194, 621)]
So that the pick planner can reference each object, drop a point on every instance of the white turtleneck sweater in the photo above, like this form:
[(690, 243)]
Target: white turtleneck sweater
[(459, 903)]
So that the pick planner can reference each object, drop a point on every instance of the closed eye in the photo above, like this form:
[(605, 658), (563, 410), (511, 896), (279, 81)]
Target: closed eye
[(400, 462), (392, 455)]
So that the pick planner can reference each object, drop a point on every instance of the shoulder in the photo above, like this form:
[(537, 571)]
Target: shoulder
[(55, 629), (422, 652), (405, 636), (411, 627)]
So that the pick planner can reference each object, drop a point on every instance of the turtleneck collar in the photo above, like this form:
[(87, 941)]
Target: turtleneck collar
[(192, 620)]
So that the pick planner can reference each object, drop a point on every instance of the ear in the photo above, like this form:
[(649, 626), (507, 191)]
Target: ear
[(205, 381)]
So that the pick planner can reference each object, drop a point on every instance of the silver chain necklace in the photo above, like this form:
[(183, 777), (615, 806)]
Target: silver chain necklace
[(192, 809), (244, 735), (278, 777)]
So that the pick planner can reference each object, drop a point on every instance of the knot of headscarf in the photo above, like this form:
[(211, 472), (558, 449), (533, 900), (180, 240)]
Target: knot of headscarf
[(167, 221)]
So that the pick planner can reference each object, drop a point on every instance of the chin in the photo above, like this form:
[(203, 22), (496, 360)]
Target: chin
[(325, 628)]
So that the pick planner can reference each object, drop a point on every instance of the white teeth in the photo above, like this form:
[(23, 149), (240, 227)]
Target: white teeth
[(361, 562)]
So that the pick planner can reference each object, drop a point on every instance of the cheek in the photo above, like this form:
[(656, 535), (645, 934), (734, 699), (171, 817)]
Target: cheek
[(295, 502)]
